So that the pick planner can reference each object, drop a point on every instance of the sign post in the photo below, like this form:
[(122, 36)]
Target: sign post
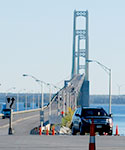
[(10, 104), (10, 132)]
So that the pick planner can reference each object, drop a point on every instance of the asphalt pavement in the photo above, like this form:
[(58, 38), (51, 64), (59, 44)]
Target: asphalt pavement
[(44, 142)]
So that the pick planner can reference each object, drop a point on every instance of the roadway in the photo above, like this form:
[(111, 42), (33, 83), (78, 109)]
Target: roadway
[(60, 142), (22, 123)]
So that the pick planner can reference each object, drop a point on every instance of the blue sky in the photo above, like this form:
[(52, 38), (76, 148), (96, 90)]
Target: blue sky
[(36, 38)]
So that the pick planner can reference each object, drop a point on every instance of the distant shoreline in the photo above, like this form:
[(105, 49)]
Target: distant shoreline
[(94, 99)]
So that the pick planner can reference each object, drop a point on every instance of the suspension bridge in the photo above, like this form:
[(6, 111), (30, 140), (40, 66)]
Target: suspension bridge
[(75, 91)]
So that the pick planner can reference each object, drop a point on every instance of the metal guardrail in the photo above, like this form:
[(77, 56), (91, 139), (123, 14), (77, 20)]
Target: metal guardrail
[(26, 111), (32, 110)]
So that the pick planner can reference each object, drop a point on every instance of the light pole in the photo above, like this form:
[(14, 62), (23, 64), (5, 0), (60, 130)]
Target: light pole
[(58, 99), (49, 85), (26, 101), (18, 98), (42, 93), (58, 104), (50, 95), (12, 88), (41, 83), (33, 99), (38, 100), (64, 102), (119, 88), (42, 97), (108, 71), (27, 75)]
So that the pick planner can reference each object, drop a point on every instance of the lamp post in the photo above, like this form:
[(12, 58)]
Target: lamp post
[(38, 100), (64, 102), (33, 99), (119, 88), (42, 94), (18, 98), (42, 97), (26, 101), (49, 85), (50, 94), (12, 88), (41, 83), (27, 75), (108, 71)]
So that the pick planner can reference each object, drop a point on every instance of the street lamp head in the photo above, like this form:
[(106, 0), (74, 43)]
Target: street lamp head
[(48, 84), (25, 75), (37, 80), (89, 60)]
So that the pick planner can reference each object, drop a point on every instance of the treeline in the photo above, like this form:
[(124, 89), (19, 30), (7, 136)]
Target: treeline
[(104, 99), (94, 99)]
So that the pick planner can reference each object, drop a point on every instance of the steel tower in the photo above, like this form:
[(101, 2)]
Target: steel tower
[(81, 54), (80, 36)]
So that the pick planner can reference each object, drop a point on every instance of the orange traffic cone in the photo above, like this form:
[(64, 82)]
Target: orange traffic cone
[(40, 133), (92, 136), (47, 131), (53, 130), (117, 130)]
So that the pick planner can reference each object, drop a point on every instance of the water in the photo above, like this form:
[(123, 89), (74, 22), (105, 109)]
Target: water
[(22, 106), (118, 111)]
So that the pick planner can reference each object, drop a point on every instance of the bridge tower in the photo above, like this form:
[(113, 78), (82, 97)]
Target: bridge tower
[(81, 54)]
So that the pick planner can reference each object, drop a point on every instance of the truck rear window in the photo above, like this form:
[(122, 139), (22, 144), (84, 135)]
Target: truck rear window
[(93, 112), (6, 109)]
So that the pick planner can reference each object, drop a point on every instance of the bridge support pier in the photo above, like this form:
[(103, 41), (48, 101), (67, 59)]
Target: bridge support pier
[(83, 98)]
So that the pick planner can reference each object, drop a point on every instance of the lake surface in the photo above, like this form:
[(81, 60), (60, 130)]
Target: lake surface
[(118, 112)]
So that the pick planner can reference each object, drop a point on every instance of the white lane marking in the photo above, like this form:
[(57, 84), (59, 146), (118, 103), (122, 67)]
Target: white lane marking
[(19, 120)]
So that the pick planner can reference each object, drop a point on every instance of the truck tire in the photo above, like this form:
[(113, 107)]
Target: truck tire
[(73, 131), (82, 131), (110, 132), (3, 117)]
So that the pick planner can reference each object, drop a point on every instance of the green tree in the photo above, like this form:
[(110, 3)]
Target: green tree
[(66, 120)]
